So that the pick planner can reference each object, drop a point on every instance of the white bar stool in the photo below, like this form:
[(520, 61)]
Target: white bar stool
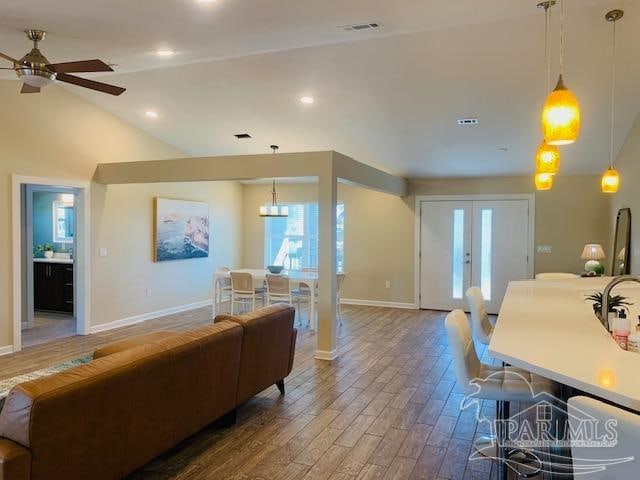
[(502, 384), (480, 323), (600, 463)]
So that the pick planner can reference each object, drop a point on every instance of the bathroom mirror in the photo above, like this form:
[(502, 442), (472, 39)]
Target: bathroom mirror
[(63, 222), (622, 243)]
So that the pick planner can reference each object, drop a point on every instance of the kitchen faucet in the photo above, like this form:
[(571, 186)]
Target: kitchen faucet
[(607, 291)]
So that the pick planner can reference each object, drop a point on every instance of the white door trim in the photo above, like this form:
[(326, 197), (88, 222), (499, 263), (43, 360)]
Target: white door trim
[(417, 241), (82, 254)]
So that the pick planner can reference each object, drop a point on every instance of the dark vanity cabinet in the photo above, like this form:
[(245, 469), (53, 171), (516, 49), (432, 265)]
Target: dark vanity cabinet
[(53, 286)]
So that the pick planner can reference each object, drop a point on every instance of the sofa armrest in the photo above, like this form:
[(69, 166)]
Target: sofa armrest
[(267, 347), (15, 461)]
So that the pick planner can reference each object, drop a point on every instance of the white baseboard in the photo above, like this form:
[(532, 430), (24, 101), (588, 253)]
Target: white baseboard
[(326, 354), (6, 350), (377, 303), (125, 322)]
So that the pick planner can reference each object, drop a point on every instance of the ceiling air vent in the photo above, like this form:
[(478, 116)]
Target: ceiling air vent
[(241, 136), (467, 121), (360, 26)]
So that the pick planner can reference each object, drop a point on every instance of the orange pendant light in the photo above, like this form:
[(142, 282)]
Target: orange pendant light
[(544, 181), (611, 178), (561, 112), (610, 181), (547, 159)]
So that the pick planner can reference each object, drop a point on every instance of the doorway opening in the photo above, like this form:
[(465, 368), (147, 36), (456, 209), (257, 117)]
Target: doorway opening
[(50, 267), (49, 264)]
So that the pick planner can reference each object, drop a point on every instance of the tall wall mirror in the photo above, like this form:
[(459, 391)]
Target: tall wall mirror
[(622, 244)]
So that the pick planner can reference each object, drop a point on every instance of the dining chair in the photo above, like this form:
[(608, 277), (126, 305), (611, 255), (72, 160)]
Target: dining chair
[(278, 289), (480, 323), (621, 460), (502, 384), (221, 289), (243, 292), (555, 276)]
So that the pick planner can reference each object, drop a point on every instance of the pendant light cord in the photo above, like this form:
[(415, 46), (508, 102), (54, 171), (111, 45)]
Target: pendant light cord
[(613, 93), (547, 53), (561, 37)]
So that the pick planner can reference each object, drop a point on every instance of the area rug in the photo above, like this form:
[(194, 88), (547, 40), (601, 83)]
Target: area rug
[(8, 383)]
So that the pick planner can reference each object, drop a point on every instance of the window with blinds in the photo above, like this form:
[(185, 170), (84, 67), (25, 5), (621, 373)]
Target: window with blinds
[(293, 241)]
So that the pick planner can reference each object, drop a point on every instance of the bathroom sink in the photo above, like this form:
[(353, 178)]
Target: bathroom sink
[(66, 256)]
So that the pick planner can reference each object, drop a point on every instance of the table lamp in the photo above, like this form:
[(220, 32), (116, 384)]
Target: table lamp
[(593, 253)]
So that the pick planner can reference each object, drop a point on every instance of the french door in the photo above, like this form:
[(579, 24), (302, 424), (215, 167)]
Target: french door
[(471, 242)]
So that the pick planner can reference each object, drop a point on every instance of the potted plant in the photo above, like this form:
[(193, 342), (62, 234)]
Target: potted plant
[(45, 249), (615, 301)]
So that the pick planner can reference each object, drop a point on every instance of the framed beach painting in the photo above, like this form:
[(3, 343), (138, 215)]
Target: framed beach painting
[(181, 230)]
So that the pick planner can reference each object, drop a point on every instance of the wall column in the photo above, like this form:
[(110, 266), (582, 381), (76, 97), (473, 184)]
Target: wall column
[(327, 202)]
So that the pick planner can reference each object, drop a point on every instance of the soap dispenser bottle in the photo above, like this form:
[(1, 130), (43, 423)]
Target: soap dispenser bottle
[(621, 329), (633, 344)]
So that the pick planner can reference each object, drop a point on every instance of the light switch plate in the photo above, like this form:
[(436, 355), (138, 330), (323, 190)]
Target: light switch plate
[(103, 252), (544, 249)]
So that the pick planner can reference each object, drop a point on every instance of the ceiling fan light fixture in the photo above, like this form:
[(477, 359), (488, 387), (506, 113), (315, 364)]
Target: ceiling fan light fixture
[(35, 77)]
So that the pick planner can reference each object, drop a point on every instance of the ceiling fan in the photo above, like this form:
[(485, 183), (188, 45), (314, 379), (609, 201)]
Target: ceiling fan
[(36, 72)]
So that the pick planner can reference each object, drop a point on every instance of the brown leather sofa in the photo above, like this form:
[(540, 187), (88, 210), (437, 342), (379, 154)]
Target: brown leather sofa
[(140, 397)]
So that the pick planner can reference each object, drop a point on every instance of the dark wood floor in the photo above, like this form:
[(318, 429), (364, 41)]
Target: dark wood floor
[(388, 408)]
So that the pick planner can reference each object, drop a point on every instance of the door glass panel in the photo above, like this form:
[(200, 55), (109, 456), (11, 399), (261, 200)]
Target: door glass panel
[(458, 254), (485, 252)]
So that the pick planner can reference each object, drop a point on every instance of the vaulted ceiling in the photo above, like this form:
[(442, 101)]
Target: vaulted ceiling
[(389, 97)]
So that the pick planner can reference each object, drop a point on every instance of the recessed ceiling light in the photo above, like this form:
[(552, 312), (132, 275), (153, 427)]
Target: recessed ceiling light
[(205, 1), (307, 100), (165, 52), (151, 114)]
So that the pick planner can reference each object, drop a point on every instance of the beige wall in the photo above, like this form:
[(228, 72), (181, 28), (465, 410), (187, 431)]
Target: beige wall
[(372, 254), (568, 216), (57, 134), (123, 223), (379, 228), (628, 164)]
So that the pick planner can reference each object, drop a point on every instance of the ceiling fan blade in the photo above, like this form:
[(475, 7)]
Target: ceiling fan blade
[(91, 84), (80, 66), (7, 57), (29, 89)]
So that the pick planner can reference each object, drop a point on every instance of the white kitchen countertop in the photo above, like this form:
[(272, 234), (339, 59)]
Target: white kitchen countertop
[(547, 327), (67, 261)]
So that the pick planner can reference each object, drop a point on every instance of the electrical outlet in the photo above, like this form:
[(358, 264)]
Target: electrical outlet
[(544, 249), (387, 284), (103, 252), (148, 293)]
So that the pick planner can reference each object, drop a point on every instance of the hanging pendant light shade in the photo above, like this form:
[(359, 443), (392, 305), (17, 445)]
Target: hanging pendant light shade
[(544, 181), (547, 159), (610, 181), (611, 178), (561, 112), (274, 210)]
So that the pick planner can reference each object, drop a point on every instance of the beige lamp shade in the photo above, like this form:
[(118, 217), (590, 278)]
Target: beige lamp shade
[(592, 251)]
